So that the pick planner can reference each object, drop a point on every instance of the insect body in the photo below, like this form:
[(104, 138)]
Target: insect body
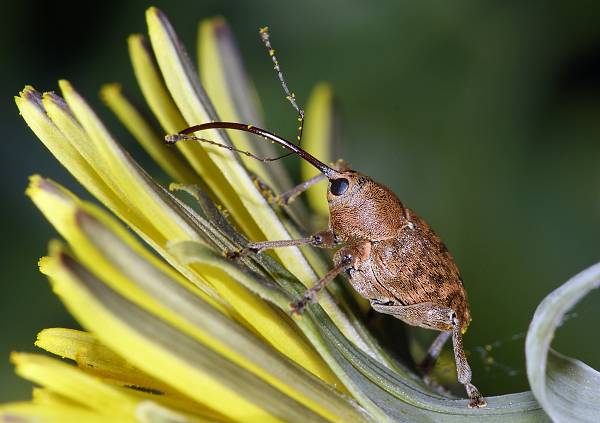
[(391, 256), (400, 260)]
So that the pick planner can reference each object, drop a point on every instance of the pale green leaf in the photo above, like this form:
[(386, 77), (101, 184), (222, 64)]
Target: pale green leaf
[(568, 389)]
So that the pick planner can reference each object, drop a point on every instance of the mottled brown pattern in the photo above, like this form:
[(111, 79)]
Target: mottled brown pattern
[(367, 211), (408, 262), (416, 270)]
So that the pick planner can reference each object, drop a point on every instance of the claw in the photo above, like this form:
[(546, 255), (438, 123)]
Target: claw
[(477, 402), (284, 200), (241, 252), (298, 307), (236, 254)]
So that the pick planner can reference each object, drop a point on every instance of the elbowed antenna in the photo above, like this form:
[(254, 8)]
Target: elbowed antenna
[(184, 135)]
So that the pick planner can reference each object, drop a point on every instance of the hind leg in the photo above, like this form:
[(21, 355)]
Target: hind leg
[(433, 316), (464, 370)]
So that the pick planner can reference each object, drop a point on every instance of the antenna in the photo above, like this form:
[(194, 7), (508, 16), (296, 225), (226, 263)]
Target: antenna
[(269, 136), (290, 96), (187, 134)]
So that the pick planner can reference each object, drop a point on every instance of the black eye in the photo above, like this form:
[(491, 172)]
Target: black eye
[(339, 186)]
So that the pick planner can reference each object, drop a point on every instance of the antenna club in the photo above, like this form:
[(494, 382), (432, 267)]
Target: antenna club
[(264, 33), (173, 138)]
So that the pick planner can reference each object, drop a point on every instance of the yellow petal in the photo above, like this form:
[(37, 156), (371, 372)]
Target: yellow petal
[(218, 333), (227, 77), (223, 75), (163, 352), (273, 327), (43, 396), (196, 108), (265, 320), (31, 108), (71, 383), (63, 146), (227, 86), (318, 140), (76, 138), (61, 207), (24, 412), (124, 174), (156, 94), (92, 356), (152, 141), (116, 257), (135, 211), (152, 85)]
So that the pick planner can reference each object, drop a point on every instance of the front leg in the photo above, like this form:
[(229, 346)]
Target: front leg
[(433, 316), (323, 239), (288, 197), (345, 259)]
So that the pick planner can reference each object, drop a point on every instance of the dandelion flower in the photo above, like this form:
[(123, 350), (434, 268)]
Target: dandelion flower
[(173, 330)]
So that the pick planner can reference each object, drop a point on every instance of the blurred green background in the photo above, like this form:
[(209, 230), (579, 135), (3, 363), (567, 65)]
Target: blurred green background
[(483, 116)]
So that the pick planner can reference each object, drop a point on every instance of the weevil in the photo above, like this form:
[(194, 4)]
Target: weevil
[(391, 256)]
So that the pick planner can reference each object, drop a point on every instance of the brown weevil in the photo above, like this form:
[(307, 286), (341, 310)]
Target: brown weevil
[(391, 256)]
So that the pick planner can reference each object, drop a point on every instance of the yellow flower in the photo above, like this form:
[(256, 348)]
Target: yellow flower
[(177, 332)]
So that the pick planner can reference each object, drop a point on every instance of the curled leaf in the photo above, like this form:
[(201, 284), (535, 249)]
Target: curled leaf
[(568, 389)]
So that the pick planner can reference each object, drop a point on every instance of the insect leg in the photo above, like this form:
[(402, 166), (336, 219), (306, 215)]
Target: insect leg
[(288, 197), (323, 239), (346, 258), (310, 296), (428, 363), (463, 369), (434, 316)]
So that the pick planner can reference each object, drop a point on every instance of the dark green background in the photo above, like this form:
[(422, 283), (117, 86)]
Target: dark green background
[(483, 116)]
